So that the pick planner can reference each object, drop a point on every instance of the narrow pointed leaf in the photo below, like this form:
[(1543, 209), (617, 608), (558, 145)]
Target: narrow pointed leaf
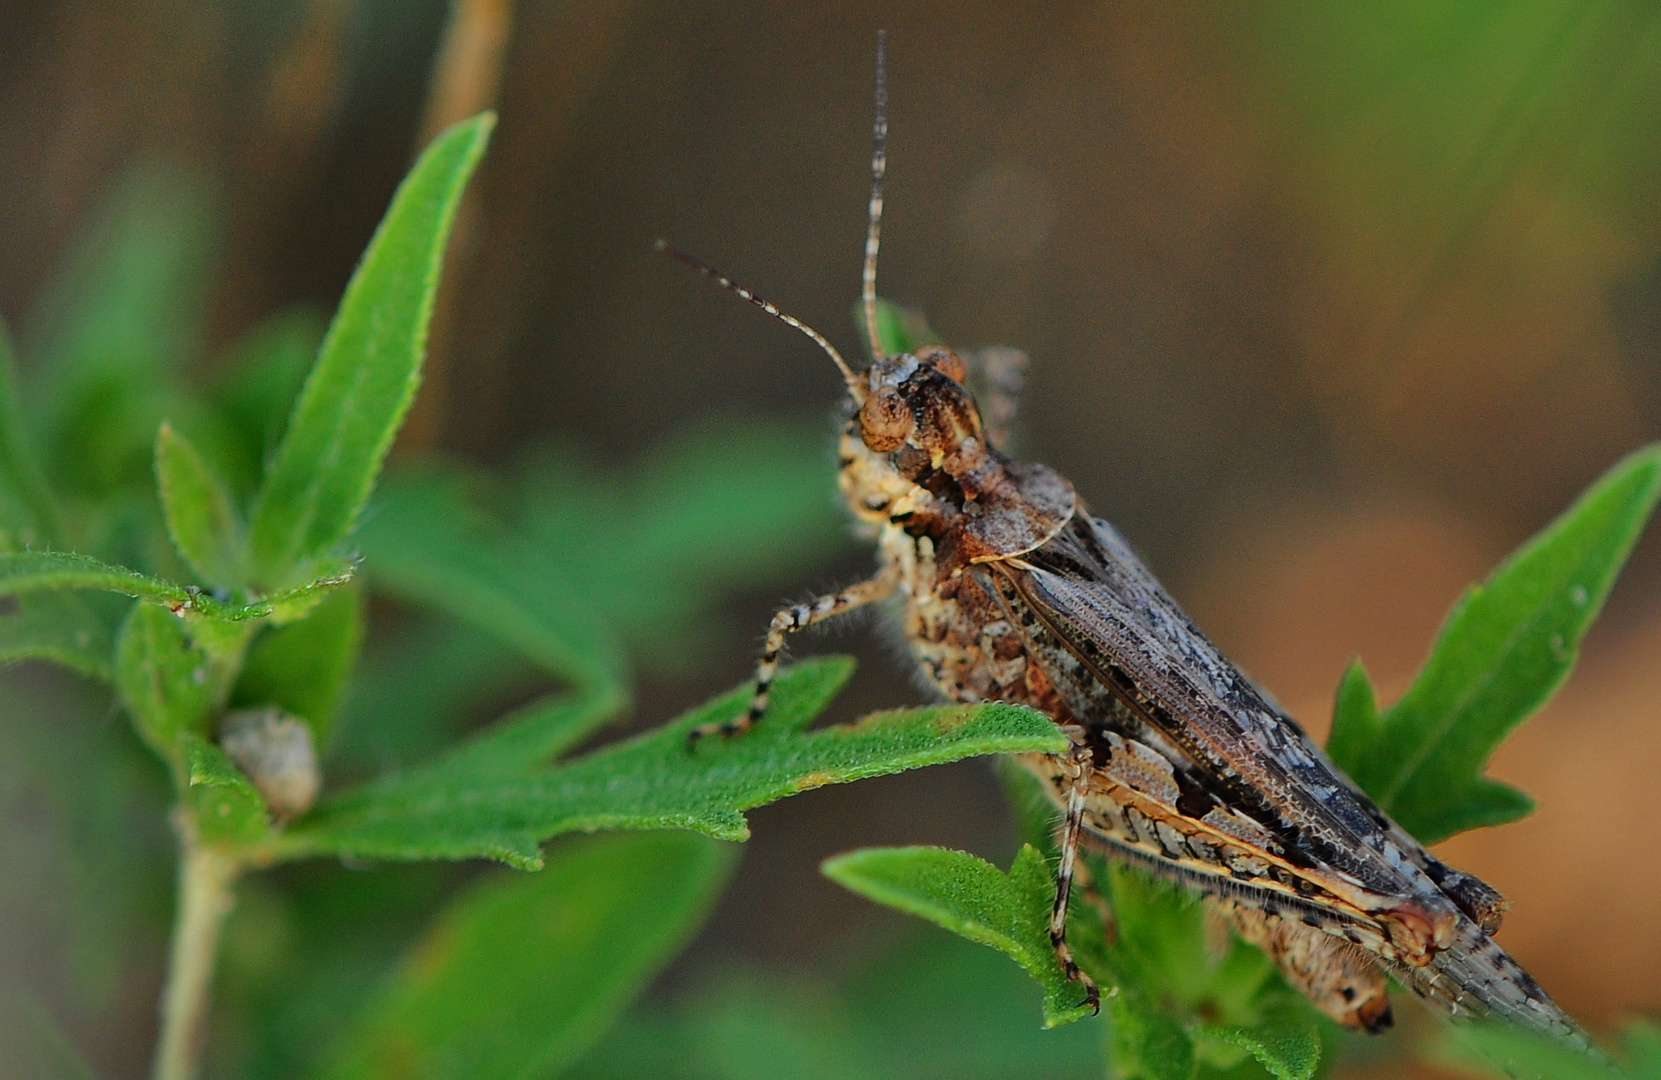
[(28, 516), (971, 897), (36, 571), (522, 973), (367, 372), (1505, 648), (200, 519), (448, 809)]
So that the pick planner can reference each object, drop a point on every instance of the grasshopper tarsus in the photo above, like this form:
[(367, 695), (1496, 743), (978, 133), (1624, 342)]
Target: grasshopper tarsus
[(1092, 993), (726, 729)]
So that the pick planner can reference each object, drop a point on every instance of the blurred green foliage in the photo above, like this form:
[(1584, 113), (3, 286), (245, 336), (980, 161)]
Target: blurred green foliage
[(196, 553), (239, 515)]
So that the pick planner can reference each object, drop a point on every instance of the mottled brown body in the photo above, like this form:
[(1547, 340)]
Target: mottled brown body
[(1010, 591), (1193, 772)]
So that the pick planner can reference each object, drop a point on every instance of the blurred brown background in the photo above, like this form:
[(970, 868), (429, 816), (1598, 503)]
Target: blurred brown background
[(1328, 311)]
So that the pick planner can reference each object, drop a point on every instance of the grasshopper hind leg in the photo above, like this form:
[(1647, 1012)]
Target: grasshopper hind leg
[(1078, 767)]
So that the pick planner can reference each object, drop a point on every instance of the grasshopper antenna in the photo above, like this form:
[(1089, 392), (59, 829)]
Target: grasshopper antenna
[(873, 232), (856, 386)]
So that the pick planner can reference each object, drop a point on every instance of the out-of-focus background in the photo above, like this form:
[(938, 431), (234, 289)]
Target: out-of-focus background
[(1329, 307)]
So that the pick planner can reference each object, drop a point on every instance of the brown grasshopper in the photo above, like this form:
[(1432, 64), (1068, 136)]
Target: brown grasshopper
[(1009, 590)]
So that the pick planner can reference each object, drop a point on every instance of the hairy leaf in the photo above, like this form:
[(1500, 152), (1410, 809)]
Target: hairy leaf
[(1505, 648), (521, 974), (367, 371), (969, 896), (1287, 1052), (448, 810), (1149, 1042), (71, 629), (34, 571), (200, 519), (1164, 982)]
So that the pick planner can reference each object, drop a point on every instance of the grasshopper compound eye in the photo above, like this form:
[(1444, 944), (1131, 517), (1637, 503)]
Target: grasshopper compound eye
[(885, 420)]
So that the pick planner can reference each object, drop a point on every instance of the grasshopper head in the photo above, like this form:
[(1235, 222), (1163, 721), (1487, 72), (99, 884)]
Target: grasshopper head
[(915, 456)]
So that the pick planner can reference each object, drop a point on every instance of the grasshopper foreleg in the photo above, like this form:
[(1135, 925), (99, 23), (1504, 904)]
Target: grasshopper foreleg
[(787, 621)]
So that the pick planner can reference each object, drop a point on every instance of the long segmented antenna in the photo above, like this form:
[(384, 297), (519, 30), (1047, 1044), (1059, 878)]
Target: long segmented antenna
[(856, 386), (879, 166)]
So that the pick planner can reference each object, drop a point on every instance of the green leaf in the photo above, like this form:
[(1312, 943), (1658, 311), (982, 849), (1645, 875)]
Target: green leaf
[(114, 324), (1288, 1053), (417, 687), (128, 296), (901, 329), (659, 548), (1506, 646), (163, 678), (263, 373), (35, 571), (428, 544), (450, 810), (302, 667), (1173, 982), (925, 1004), (532, 736), (225, 805), (1148, 1041), (521, 974), (200, 519), (367, 371), (63, 628), (28, 516), (971, 897), (1643, 1048)]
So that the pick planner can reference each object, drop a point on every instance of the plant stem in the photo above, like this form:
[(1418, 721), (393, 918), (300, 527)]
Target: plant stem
[(206, 875)]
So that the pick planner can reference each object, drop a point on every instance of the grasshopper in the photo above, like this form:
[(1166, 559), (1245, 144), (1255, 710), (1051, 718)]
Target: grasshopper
[(1009, 590)]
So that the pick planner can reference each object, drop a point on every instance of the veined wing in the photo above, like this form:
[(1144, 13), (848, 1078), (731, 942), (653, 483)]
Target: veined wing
[(1127, 660), (1122, 655)]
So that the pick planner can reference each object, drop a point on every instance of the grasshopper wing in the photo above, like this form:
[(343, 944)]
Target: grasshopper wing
[(1129, 663)]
